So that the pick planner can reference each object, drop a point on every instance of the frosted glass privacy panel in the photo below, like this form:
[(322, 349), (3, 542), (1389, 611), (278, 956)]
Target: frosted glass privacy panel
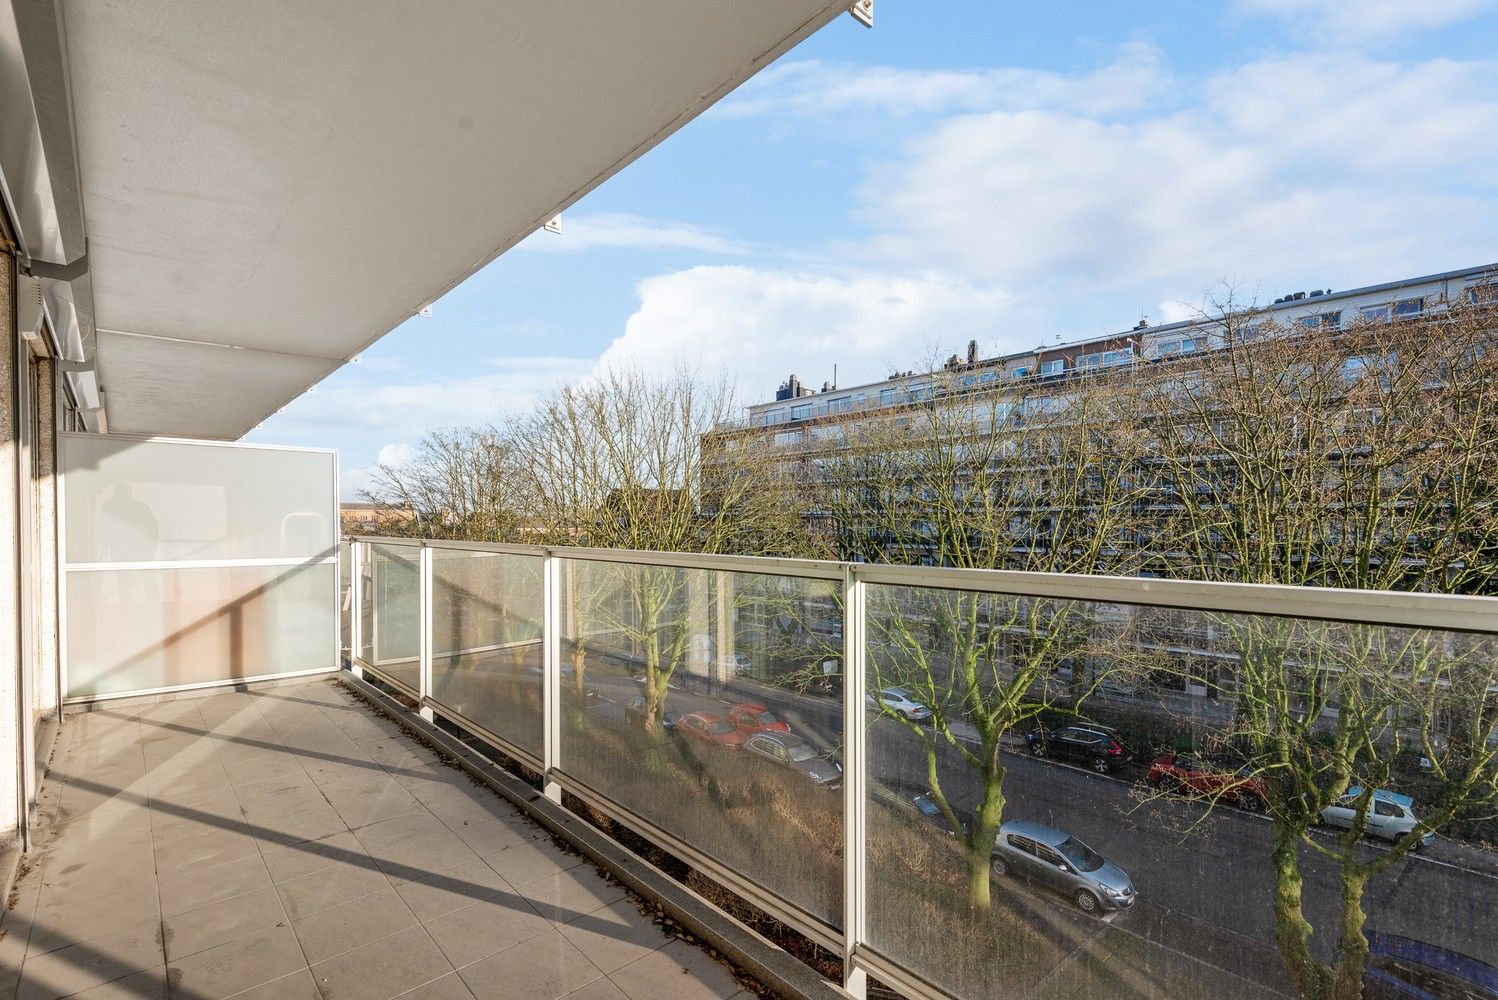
[(146, 501), (145, 629)]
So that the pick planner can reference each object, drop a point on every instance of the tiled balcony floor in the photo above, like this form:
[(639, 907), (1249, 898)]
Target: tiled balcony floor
[(288, 843)]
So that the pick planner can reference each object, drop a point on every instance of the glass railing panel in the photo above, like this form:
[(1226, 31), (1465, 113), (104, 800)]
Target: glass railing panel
[(1071, 798), (708, 703), (345, 598), (486, 641), (392, 629)]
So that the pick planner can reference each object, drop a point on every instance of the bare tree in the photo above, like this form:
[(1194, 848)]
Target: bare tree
[(625, 460), (1038, 478), (463, 483), (1364, 457)]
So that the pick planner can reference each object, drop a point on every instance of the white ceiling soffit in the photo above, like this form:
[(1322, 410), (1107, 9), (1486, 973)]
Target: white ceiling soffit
[(299, 178)]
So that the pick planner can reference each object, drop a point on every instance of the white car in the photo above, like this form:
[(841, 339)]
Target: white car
[(1390, 815), (899, 702)]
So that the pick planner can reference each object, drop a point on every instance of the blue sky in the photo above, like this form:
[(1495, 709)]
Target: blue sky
[(1010, 173)]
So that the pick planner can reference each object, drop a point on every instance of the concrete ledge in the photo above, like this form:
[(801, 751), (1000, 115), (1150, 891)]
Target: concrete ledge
[(750, 951)]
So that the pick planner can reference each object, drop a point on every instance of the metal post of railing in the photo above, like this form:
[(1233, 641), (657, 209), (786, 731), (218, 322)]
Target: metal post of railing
[(855, 782), (356, 607), (424, 623), (551, 672)]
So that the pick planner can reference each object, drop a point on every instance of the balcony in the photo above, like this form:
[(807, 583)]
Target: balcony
[(247, 757)]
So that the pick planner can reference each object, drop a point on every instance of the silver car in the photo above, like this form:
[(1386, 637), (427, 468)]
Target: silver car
[(1056, 859), (790, 750)]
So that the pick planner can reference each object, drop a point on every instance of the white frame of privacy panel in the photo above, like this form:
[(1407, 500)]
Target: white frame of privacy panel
[(68, 445)]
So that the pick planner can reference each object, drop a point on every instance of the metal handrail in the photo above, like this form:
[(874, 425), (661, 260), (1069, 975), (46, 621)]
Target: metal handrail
[(1395, 609)]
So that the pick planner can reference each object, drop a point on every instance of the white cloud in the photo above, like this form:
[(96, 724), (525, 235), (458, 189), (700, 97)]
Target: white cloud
[(760, 325), (406, 410), (1367, 19), (816, 89), (397, 454), (618, 230), (1291, 169)]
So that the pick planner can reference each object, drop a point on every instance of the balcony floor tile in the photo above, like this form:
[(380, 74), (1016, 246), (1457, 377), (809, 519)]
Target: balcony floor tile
[(286, 842)]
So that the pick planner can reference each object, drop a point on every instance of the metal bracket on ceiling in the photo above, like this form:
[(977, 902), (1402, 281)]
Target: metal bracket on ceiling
[(863, 12), (71, 271)]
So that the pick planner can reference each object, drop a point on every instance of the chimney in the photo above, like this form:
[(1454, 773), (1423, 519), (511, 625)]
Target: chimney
[(972, 352)]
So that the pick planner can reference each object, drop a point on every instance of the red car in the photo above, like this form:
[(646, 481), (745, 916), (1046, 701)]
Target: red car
[(1191, 776), (751, 719), (710, 727)]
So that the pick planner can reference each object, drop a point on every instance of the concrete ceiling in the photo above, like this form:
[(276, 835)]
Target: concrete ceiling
[(292, 180)]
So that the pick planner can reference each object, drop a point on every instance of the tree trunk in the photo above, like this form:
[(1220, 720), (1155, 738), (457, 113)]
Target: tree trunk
[(980, 840), (1292, 932), (655, 691), (979, 877), (1347, 981), (579, 666)]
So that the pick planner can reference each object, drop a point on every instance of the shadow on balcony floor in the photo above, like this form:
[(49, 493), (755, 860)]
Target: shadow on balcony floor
[(286, 843)]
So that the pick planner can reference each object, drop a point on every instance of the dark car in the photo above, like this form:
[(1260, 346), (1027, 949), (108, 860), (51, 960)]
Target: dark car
[(1400, 968), (636, 712), (710, 727), (1178, 772), (1091, 746), (931, 813), (790, 750)]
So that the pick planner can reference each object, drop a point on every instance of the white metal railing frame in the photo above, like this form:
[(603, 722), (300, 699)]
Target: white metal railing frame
[(1444, 612)]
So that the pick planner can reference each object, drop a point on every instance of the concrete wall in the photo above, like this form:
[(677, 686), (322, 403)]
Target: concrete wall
[(10, 586)]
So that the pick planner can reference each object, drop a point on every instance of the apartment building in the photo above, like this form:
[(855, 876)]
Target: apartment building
[(795, 406)]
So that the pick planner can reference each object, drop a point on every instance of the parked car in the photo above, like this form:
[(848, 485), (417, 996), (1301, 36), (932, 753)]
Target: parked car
[(756, 718), (1192, 776), (1093, 746), (931, 813), (898, 701), (1400, 968), (710, 727), (1056, 859), (1390, 814), (792, 751), (636, 713)]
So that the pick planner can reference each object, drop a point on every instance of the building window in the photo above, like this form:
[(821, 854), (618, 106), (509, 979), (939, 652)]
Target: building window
[(1326, 320), (1483, 295), (1409, 307), (1377, 314), (842, 405), (1248, 334), (1053, 367), (886, 397), (1183, 346), (801, 412), (788, 437), (1022, 371), (1106, 359)]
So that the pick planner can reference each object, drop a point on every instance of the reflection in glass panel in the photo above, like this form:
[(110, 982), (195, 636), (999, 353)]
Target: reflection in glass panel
[(143, 629), (393, 633), (486, 641), (142, 501), (1216, 786), (709, 704)]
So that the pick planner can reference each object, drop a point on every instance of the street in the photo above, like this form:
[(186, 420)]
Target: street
[(1203, 877)]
